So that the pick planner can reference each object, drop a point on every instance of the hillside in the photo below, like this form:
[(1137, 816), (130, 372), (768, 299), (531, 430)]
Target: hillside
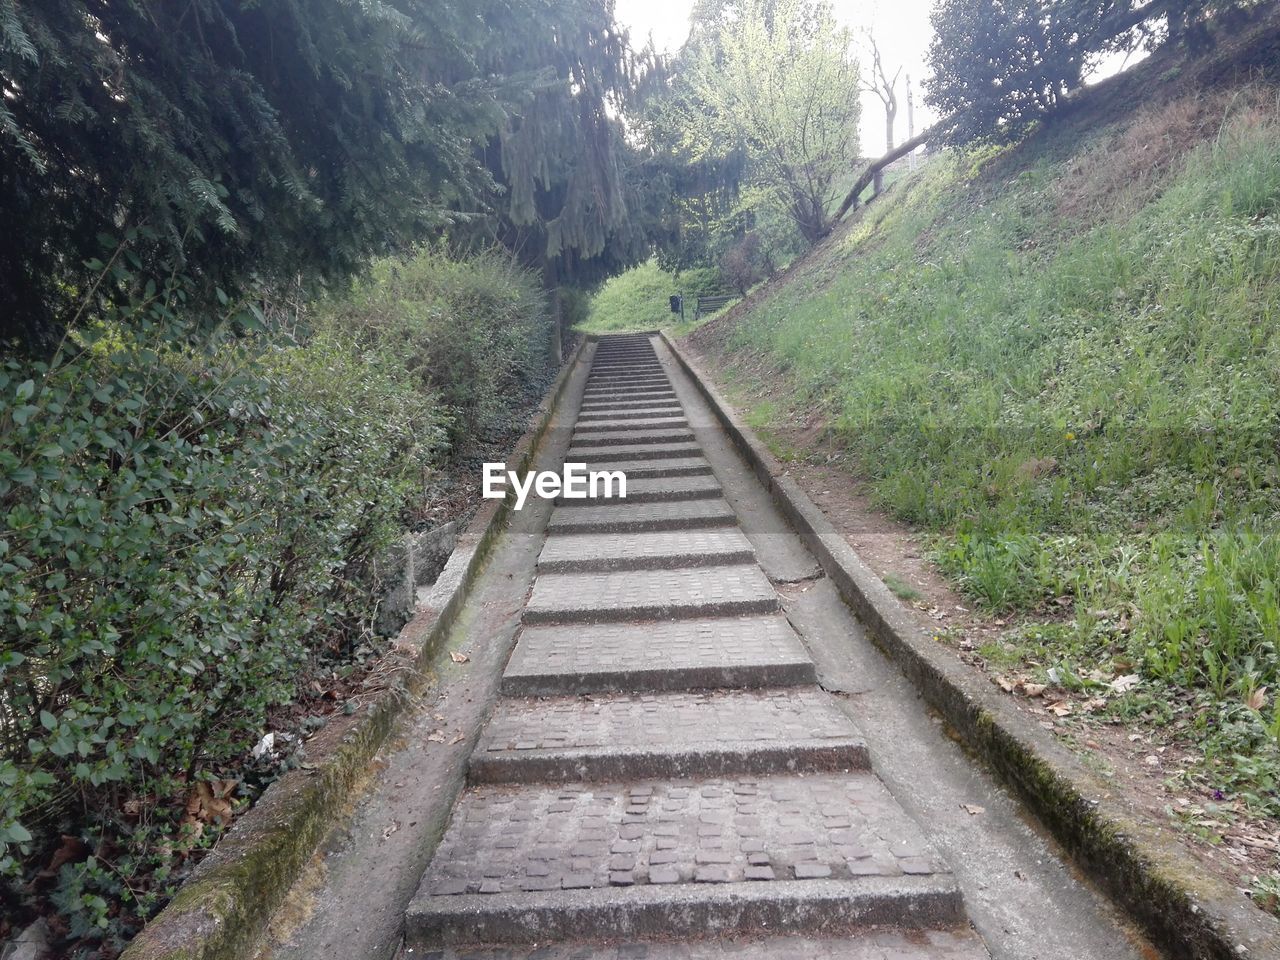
[(1053, 370)]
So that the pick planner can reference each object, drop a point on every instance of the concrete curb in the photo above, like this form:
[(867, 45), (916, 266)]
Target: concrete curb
[(221, 912), (809, 907), (615, 764), (1139, 862)]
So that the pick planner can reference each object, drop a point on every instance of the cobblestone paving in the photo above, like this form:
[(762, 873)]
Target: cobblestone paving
[(638, 435), (577, 836), (637, 423), (631, 551), (629, 452), (627, 516), (652, 489), (675, 720), (701, 645), (875, 945), (650, 594), (686, 745), (639, 413)]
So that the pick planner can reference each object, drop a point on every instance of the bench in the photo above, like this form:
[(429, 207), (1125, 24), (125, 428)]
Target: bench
[(711, 304)]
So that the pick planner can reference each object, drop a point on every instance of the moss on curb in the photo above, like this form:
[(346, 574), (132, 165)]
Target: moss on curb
[(221, 912), (1141, 864)]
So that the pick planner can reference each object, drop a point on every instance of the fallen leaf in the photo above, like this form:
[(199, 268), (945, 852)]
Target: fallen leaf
[(208, 801), (391, 828), (459, 657), (1257, 699), (1060, 709), (458, 739), (1034, 689), (1005, 684), (436, 736), (72, 850), (973, 809), (1125, 682)]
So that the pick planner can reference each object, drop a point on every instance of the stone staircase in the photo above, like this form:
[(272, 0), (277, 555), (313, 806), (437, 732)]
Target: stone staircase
[(662, 777)]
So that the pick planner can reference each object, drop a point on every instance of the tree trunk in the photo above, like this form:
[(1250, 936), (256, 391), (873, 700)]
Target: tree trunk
[(557, 314), (851, 199), (890, 115)]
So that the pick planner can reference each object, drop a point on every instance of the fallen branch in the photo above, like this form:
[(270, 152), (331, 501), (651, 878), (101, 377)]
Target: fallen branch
[(869, 174)]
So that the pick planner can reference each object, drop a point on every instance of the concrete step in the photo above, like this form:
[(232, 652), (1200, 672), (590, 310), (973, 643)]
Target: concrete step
[(664, 549), (660, 490), (589, 406), (620, 516), (626, 390), (682, 466), (958, 944), (710, 857), (627, 375), (621, 453), (642, 412), (649, 594), (727, 733), (627, 365), (745, 652), (607, 438), (635, 423), (598, 397)]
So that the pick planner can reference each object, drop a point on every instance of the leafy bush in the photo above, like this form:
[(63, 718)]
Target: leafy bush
[(187, 533), (475, 332)]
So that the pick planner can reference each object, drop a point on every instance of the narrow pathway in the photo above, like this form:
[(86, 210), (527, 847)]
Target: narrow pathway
[(661, 766)]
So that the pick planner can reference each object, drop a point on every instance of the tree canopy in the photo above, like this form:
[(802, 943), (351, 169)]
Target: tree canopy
[(766, 92), (249, 142), (1000, 65)]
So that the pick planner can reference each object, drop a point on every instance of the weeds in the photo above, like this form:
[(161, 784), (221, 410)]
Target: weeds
[(1080, 396)]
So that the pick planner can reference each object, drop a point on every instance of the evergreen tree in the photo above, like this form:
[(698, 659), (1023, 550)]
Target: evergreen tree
[(226, 138)]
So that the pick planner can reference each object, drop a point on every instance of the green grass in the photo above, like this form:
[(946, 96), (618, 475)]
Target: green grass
[(640, 300), (1079, 406)]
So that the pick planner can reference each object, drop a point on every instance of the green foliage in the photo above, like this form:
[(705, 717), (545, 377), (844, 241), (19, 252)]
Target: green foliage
[(765, 97), (1001, 65), (640, 298), (579, 202), (188, 530), (474, 333), (1087, 413), (194, 123)]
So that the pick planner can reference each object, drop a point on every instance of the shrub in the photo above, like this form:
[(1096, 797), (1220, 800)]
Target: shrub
[(475, 332), (186, 534)]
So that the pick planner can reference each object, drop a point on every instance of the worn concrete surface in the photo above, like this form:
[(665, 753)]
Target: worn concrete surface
[(770, 850)]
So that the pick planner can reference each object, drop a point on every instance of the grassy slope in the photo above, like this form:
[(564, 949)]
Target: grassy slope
[(640, 300), (1065, 361)]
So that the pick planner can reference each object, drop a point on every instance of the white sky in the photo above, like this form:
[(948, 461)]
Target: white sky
[(901, 27)]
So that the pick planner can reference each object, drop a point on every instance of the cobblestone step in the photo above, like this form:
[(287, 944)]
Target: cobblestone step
[(669, 408), (661, 489), (621, 516), (631, 437), (590, 406), (713, 856), (634, 423), (649, 594), (744, 652), (682, 466), (959, 944), (604, 391), (627, 376), (655, 550), (623, 452), (727, 733)]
